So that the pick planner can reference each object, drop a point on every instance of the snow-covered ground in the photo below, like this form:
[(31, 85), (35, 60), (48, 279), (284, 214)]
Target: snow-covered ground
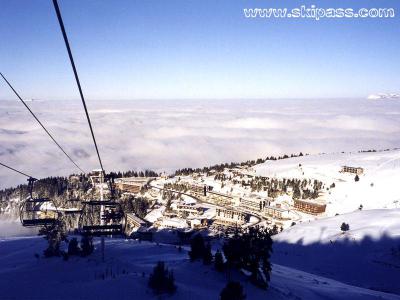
[(11, 227), (362, 256), (372, 224), (376, 188), (125, 272)]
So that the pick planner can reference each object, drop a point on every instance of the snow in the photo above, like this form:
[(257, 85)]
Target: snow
[(391, 96), (155, 214), (209, 213), (12, 228), (312, 260), (366, 223), (362, 256), (174, 223), (124, 275), (376, 188), (188, 200)]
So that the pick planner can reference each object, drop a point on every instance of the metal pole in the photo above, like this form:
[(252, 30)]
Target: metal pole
[(101, 215)]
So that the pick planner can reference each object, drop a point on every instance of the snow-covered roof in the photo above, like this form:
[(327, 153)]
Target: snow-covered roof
[(174, 222)]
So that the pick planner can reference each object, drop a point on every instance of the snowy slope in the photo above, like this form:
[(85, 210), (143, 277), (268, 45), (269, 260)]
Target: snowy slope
[(366, 223), (22, 276), (362, 256), (12, 227), (381, 169)]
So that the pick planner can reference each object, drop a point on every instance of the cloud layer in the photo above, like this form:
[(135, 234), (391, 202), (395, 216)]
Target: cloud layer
[(167, 134)]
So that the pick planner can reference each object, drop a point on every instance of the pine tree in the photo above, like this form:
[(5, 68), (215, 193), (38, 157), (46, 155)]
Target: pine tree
[(197, 247), (87, 245), (207, 255), (162, 280), (344, 227), (219, 261), (232, 291), (54, 234), (73, 248), (251, 250)]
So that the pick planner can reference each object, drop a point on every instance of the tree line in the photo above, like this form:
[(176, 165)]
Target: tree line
[(231, 165)]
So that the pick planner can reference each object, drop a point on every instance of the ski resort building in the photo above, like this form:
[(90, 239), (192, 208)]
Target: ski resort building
[(197, 189), (310, 207), (353, 170), (222, 199), (254, 204), (189, 209), (198, 223), (276, 212), (229, 217), (134, 222), (131, 185), (171, 223)]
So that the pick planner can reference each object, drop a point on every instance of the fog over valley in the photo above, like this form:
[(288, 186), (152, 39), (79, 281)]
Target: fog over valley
[(165, 135)]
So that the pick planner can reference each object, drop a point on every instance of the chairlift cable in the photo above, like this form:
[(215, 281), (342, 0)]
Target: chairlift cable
[(40, 123), (60, 21), (15, 170)]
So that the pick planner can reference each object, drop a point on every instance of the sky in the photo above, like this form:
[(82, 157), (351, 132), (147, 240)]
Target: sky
[(184, 49)]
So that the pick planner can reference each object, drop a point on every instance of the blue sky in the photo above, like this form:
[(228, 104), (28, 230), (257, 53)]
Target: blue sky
[(195, 49)]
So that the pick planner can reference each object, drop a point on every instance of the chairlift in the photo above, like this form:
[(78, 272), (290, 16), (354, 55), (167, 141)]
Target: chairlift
[(102, 217), (37, 212)]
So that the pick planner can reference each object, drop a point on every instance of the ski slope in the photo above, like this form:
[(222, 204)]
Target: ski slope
[(375, 189), (125, 272), (362, 256)]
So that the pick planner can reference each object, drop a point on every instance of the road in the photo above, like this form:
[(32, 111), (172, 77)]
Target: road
[(200, 200)]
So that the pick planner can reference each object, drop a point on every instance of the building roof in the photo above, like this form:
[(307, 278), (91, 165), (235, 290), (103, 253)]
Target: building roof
[(276, 208), (312, 201), (220, 194), (174, 222), (133, 180), (136, 218)]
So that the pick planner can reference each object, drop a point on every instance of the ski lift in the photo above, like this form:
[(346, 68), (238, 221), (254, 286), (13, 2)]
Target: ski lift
[(102, 217), (37, 212)]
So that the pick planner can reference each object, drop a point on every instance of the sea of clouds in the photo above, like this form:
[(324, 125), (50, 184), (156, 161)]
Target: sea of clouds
[(164, 135)]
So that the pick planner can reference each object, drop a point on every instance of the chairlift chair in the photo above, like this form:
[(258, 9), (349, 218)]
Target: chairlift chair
[(37, 212), (102, 217)]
